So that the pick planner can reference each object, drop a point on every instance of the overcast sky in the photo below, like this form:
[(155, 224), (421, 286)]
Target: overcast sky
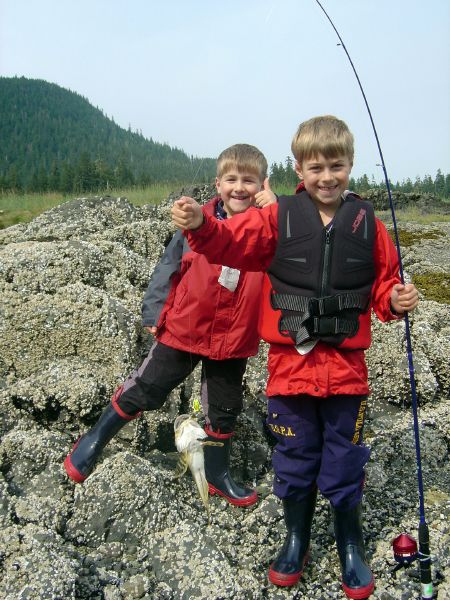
[(202, 75)]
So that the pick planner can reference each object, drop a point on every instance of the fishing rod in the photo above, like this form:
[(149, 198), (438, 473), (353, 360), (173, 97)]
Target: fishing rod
[(424, 551)]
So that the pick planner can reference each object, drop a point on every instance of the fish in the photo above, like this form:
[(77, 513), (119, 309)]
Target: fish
[(189, 441)]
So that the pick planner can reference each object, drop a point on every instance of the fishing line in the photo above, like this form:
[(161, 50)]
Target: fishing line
[(424, 552), (196, 404)]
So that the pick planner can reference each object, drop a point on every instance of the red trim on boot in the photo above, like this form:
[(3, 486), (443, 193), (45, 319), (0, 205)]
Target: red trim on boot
[(360, 593), (284, 579), (247, 501), (217, 434), (71, 471), (117, 408)]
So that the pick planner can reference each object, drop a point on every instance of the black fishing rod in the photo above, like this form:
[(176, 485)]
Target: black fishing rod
[(424, 551)]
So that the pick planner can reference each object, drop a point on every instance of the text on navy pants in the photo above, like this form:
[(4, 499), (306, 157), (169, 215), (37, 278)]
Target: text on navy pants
[(319, 441)]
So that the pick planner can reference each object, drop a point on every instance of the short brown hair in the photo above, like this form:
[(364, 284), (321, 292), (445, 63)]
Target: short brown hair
[(324, 135), (242, 157)]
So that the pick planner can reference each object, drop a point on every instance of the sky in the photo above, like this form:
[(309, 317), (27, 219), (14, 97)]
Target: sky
[(202, 75)]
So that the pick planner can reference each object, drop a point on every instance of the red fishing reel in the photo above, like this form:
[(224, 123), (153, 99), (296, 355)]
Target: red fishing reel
[(404, 547)]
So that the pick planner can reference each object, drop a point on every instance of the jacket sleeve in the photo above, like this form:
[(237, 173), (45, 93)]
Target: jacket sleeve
[(247, 241), (387, 273), (161, 281)]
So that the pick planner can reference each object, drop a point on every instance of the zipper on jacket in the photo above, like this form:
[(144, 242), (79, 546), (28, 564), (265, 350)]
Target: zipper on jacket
[(326, 262), (327, 253)]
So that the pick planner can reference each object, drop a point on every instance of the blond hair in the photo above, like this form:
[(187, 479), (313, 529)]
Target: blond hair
[(325, 135), (242, 157)]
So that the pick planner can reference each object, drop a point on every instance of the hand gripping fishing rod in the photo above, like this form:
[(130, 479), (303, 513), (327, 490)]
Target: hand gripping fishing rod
[(424, 551)]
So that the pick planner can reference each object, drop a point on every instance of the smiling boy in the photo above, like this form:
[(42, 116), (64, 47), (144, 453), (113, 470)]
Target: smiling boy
[(328, 262), (198, 312)]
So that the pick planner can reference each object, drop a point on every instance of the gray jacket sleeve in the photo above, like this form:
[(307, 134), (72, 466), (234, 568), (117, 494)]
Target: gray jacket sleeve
[(160, 281)]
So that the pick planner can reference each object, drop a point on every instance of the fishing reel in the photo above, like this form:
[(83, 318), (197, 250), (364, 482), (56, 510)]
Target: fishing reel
[(405, 551)]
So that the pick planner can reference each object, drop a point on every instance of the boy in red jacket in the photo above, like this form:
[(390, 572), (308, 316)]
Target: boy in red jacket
[(197, 312), (328, 261)]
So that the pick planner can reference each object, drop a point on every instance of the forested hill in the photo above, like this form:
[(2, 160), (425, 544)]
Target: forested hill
[(52, 137)]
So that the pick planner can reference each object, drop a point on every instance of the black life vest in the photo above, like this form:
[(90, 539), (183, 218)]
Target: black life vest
[(321, 277)]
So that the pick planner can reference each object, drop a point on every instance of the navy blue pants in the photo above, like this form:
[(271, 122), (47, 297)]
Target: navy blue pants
[(164, 368), (319, 442)]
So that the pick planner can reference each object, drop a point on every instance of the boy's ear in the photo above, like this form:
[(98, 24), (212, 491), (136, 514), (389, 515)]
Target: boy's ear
[(298, 169), (218, 185)]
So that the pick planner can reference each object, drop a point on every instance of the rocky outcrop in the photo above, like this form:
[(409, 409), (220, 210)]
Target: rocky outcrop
[(424, 203), (71, 284)]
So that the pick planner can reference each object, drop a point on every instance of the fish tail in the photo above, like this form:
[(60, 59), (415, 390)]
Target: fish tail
[(202, 486)]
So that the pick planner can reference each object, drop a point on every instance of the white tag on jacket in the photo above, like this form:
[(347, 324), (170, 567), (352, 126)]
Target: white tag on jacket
[(306, 347), (229, 278)]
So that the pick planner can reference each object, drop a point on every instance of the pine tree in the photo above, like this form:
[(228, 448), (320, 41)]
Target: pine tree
[(439, 184)]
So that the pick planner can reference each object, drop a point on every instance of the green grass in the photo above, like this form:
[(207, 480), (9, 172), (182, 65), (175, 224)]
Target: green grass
[(22, 208), (434, 286), (409, 238), (412, 215)]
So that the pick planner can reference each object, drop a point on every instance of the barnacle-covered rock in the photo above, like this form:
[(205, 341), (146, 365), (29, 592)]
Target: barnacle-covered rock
[(72, 283)]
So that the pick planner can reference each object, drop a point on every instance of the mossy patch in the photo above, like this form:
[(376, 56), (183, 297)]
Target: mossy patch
[(408, 238), (434, 286), (435, 496)]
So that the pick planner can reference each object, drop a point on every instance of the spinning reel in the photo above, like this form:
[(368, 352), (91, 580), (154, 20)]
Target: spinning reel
[(405, 551)]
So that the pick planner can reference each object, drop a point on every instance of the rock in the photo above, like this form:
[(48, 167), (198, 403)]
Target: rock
[(72, 283)]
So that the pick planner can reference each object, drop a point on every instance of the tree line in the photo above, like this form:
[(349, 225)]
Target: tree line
[(96, 175)]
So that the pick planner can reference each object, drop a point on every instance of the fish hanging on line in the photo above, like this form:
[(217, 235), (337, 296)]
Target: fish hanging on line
[(189, 440)]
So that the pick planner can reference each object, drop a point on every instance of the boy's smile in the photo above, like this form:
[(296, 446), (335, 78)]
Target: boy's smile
[(325, 179), (238, 190)]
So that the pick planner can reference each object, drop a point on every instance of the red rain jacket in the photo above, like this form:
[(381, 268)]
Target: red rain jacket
[(203, 317), (249, 242)]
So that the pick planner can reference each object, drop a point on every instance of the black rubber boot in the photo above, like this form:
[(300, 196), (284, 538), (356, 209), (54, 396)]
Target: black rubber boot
[(80, 462), (217, 470), (287, 568), (357, 578)]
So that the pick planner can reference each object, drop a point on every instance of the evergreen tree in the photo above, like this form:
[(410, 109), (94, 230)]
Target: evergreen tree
[(67, 181), (362, 184), (123, 174), (439, 184), (42, 180), (54, 180), (13, 180), (84, 174), (427, 185), (447, 186)]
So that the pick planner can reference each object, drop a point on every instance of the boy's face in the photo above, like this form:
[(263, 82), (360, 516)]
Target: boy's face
[(325, 179), (238, 190)]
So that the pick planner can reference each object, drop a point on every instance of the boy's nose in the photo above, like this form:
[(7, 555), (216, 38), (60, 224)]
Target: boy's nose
[(327, 175)]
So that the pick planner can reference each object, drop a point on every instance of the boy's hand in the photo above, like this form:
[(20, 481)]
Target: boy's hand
[(404, 298), (265, 196), (151, 330), (187, 213)]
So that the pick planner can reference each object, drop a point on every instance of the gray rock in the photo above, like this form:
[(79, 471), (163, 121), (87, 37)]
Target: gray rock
[(72, 282)]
